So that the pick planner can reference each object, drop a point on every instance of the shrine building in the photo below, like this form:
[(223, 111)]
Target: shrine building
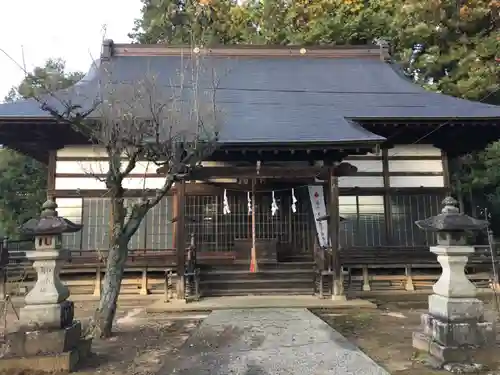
[(318, 147)]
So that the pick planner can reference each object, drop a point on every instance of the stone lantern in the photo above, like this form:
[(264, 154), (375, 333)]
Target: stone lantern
[(454, 324), (48, 339)]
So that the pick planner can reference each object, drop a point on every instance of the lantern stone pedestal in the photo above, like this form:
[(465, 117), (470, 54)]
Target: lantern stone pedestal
[(48, 338), (454, 327)]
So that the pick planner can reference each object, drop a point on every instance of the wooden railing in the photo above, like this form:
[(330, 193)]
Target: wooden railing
[(397, 266), (20, 273), (369, 266)]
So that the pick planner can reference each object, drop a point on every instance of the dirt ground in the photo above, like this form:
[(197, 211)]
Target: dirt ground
[(144, 341), (141, 344), (385, 335)]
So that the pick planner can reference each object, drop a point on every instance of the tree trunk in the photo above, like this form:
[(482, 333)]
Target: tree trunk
[(115, 266)]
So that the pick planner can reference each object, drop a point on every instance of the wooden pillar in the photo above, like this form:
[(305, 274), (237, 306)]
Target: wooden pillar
[(333, 228), (98, 281), (446, 171), (366, 279), (180, 237), (144, 291), (409, 280), (387, 197), (51, 175)]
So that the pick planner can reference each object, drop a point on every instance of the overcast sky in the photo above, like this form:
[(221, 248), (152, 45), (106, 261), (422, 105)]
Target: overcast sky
[(69, 29)]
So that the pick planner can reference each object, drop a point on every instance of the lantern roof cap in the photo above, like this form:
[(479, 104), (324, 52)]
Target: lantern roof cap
[(451, 220), (49, 222)]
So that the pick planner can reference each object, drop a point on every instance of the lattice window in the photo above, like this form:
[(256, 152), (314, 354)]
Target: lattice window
[(215, 231), (364, 223), (71, 209), (154, 233), (96, 217), (405, 210), (159, 226)]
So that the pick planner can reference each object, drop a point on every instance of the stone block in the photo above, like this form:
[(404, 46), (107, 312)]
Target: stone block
[(454, 334), (59, 362), (443, 354), (456, 309), (52, 316), (31, 343)]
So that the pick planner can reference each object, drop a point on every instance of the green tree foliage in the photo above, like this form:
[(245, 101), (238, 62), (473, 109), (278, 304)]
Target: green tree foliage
[(47, 78), (186, 22), (478, 175), (23, 180), (262, 22), (462, 45)]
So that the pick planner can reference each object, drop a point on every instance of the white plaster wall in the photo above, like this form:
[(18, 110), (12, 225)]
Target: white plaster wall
[(361, 181), (367, 165), (416, 181), (415, 166), (414, 150), (100, 167)]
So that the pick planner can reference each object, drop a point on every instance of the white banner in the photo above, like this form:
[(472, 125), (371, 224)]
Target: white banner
[(319, 209)]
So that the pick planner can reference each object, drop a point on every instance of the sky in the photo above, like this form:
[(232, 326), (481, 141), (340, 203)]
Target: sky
[(67, 29)]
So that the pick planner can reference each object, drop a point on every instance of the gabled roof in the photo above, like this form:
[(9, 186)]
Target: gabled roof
[(281, 95)]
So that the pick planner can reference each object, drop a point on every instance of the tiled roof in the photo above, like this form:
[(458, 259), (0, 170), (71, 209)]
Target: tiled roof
[(286, 99)]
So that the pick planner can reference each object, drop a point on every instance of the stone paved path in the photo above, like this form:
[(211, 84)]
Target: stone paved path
[(268, 342)]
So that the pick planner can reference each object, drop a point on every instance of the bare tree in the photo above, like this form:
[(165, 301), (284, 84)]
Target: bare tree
[(174, 126)]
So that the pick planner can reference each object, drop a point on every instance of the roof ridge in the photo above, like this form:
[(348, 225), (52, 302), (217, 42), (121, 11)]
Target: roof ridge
[(111, 49)]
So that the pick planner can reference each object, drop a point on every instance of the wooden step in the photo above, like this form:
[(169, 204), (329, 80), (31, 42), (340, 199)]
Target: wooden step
[(260, 275), (256, 281), (245, 266), (257, 292), (254, 275)]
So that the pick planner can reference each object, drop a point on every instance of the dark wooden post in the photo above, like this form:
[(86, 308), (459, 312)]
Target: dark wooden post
[(446, 171), (180, 240), (387, 197), (333, 228), (51, 174)]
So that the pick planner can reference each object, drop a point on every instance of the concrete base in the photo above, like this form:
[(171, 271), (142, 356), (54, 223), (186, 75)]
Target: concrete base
[(458, 334), (50, 316), (27, 343), (441, 353), (46, 350), (453, 341), (456, 309), (56, 362)]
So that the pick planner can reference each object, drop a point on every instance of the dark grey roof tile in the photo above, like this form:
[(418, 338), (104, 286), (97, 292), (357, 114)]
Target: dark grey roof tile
[(283, 99)]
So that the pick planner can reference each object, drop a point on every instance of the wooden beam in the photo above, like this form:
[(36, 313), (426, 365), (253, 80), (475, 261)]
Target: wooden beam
[(205, 173)]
